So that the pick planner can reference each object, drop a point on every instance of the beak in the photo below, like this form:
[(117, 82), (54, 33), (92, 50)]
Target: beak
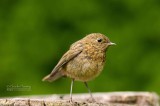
[(111, 44)]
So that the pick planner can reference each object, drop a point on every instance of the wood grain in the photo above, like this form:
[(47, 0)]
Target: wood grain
[(102, 99)]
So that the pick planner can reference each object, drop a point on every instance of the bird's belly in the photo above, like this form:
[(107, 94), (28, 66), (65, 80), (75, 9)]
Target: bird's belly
[(84, 69)]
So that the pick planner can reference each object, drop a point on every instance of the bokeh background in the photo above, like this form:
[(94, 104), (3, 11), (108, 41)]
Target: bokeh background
[(34, 34)]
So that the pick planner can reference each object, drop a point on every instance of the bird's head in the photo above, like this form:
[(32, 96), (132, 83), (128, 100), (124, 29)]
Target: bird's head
[(98, 40)]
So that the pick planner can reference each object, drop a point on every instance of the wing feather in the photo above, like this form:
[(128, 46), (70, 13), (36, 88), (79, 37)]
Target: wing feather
[(74, 51)]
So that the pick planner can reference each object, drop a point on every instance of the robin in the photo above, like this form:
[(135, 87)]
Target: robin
[(83, 61)]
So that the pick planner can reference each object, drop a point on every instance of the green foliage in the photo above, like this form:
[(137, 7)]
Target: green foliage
[(34, 35)]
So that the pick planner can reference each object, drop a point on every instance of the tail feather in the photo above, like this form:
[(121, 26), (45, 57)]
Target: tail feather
[(52, 77)]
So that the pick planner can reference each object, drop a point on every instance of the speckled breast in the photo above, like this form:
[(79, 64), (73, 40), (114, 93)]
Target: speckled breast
[(85, 66)]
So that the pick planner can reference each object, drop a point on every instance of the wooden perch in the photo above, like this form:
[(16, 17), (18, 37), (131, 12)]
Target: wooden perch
[(102, 99)]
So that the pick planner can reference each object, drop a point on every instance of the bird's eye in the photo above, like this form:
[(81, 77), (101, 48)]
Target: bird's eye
[(99, 40)]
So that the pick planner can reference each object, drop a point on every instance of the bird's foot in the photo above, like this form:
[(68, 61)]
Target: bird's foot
[(70, 100), (91, 100)]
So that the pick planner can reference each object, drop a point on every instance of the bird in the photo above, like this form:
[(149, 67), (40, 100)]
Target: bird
[(83, 62)]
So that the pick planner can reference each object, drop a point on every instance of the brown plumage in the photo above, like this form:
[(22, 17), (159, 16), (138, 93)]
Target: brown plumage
[(83, 61)]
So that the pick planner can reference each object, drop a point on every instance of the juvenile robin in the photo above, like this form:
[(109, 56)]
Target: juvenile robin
[(83, 61)]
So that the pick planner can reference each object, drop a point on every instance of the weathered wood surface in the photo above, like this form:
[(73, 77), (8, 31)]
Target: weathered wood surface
[(102, 99)]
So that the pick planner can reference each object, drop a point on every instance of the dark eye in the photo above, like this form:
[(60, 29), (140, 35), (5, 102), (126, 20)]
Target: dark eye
[(99, 40)]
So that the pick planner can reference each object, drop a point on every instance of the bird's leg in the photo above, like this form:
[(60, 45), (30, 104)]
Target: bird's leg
[(89, 91), (71, 90)]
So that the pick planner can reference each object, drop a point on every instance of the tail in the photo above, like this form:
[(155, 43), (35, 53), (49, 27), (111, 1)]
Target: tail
[(52, 77)]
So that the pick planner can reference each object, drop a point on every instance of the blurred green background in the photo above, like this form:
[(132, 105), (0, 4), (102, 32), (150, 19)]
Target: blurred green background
[(34, 34)]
